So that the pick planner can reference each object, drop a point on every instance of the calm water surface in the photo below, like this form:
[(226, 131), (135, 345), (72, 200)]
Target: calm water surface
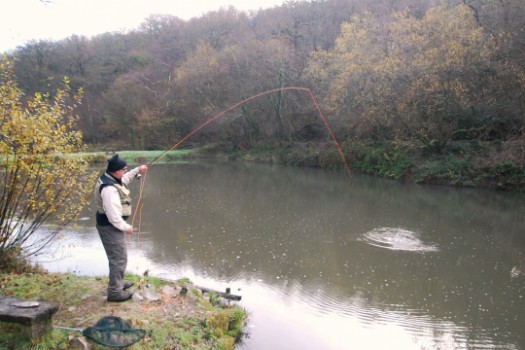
[(324, 261)]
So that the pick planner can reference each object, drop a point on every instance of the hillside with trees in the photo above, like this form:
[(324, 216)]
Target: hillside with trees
[(429, 91)]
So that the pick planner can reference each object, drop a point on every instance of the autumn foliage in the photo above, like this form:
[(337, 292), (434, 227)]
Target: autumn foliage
[(40, 181), (423, 79), (426, 72)]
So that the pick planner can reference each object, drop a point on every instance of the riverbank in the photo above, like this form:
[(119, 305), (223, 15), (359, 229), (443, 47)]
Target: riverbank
[(488, 165), (182, 317)]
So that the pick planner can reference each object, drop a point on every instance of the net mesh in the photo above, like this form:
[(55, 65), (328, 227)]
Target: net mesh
[(114, 332)]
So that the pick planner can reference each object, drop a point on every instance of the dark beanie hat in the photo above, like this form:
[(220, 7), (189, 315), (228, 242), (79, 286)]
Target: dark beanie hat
[(115, 164)]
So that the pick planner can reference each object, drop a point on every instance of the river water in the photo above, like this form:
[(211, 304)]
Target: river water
[(327, 261)]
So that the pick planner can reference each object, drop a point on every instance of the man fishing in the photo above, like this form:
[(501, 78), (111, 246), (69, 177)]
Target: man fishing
[(113, 202)]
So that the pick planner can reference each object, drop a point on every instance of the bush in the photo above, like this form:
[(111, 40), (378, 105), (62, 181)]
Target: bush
[(41, 181)]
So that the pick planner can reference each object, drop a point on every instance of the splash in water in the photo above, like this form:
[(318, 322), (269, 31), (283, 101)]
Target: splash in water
[(394, 238)]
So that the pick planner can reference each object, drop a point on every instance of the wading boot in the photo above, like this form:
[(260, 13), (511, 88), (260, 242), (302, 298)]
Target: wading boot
[(123, 296), (128, 285)]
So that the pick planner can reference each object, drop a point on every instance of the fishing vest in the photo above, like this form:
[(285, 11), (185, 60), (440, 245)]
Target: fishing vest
[(124, 194)]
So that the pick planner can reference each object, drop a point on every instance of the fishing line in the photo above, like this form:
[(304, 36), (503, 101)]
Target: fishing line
[(212, 119), (141, 190), (209, 121)]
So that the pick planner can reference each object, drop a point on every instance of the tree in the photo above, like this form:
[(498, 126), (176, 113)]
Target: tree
[(450, 54), (40, 180), (408, 76), (357, 75), (128, 97), (32, 66), (503, 97)]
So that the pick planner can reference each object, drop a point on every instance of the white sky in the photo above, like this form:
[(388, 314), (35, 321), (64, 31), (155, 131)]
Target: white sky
[(23, 20)]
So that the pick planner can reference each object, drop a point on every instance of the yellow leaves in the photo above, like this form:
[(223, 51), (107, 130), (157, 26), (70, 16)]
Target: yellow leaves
[(6, 66), (204, 59), (384, 70), (445, 37), (37, 139)]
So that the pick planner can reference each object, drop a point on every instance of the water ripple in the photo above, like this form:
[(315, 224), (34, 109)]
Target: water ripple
[(394, 238)]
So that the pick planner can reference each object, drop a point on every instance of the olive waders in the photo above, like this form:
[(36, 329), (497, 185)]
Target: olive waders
[(114, 242)]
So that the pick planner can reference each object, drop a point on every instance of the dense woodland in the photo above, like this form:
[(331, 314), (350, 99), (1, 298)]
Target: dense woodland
[(425, 73)]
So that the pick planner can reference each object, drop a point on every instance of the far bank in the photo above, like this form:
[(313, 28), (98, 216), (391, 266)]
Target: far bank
[(485, 165)]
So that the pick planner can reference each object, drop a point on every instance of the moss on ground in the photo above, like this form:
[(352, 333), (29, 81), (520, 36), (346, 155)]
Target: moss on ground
[(172, 322)]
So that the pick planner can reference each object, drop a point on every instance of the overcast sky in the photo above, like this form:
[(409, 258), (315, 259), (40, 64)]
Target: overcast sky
[(24, 20)]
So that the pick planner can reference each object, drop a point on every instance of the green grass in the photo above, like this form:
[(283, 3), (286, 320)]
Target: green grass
[(190, 322), (140, 157)]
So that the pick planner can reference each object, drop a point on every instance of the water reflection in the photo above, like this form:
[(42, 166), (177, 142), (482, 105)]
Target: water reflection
[(305, 248)]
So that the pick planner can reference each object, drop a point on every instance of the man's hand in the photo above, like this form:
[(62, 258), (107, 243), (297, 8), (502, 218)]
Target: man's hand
[(143, 169), (129, 231)]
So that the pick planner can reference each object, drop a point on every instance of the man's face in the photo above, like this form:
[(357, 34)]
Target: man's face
[(119, 173)]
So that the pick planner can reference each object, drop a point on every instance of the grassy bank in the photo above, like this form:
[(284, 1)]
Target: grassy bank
[(141, 157), (491, 165), (177, 321)]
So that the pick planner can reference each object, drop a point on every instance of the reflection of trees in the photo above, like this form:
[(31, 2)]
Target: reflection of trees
[(298, 230), (292, 226)]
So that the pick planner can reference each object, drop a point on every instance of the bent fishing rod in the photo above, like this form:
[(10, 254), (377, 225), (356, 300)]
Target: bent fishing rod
[(212, 119)]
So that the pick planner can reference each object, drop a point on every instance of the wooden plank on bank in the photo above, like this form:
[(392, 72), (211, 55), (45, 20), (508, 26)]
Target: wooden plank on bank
[(225, 295)]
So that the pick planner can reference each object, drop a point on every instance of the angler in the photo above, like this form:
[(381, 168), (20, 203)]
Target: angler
[(113, 201)]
